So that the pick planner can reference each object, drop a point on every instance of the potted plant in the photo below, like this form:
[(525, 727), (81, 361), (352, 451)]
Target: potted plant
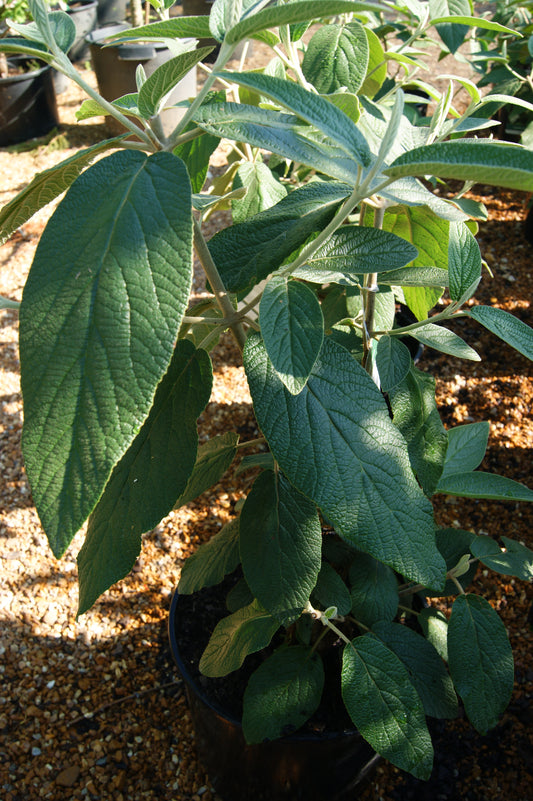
[(28, 106), (335, 222)]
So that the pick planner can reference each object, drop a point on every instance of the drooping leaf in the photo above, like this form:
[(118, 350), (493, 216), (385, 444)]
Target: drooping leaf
[(373, 589), (464, 262), (505, 326), (452, 35), (46, 186), (480, 660), (212, 561), (330, 590), (263, 190), (282, 694), (337, 57), (280, 545), (235, 637), (24, 47), (99, 317), (214, 458), (484, 485), (384, 705), (426, 668), (180, 27), (445, 341), (417, 416), (515, 560), (454, 545), (246, 253), (158, 85), (393, 362), (311, 108), (495, 163), (144, 484), (292, 328), (337, 445), (466, 447)]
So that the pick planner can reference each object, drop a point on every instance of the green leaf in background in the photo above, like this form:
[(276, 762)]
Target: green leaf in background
[(246, 253), (445, 341), (464, 262), (384, 705), (377, 66), (415, 276), (311, 108), (263, 190), (235, 637), (452, 35), (46, 186), (100, 313), (212, 561), (417, 416), (454, 545), (61, 27), (214, 458), (337, 57), (175, 28), (24, 47), (153, 471), (352, 251), (279, 133), (280, 544), (337, 445), (239, 596), (505, 326), (197, 152), (434, 624), (292, 328), (480, 660), (426, 668), (291, 13), (484, 162), (484, 485), (330, 590), (158, 85), (373, 590), (516, 560), (466, 447), (393, 362), (282, 694)]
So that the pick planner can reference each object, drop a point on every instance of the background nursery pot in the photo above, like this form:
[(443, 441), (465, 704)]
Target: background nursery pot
[(307, 766), (28, 107), (84, 15)]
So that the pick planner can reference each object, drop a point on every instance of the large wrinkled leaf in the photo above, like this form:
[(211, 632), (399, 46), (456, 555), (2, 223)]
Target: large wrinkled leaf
[(100, 313), (246, 253), (337, 445), (426, 668), (158, 85), (244, 632), (46, 186), (336, 58), (384, 705), (280, 544), (417, 416), (495, 163), (480, 660), (153, 471), (292, 328), (311, 108), (505, 326), (373, 589), (282, 694), (212, 561)]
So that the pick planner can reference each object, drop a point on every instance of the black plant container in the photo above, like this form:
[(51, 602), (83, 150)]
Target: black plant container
[(28, 107), (315, 766), (84, 15)]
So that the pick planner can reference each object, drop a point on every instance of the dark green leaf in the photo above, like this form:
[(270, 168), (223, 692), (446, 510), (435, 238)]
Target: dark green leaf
[(452, 35), (480, 660), (384, 705), (99, 317), (466, 447), (337, 57), (454, 544), (263, 190), (214, 458), (484, 485), (280, 544), (373, 589), (516, 560), (464, 262), (143, 486), (336, 443), (282, 694), (446, 341), (506, 326), (331, 590), (212, 562), (158, 85), (393, 362)]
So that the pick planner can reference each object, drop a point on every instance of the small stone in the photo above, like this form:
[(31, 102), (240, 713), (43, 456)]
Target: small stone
[(36, 751), (68, 776)]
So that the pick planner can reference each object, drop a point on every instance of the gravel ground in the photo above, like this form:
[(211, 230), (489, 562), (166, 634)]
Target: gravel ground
[(93, 709)]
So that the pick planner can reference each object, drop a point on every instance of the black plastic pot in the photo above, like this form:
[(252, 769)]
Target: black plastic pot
[(111, 11), (316, 766), (115, 68), (28, 107), (84, 16)]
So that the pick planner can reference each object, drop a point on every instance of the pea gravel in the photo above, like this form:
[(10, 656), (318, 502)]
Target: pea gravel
[(93, 708)]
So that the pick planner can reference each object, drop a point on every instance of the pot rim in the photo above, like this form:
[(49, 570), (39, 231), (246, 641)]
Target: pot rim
[(24, 76), (191, 682)]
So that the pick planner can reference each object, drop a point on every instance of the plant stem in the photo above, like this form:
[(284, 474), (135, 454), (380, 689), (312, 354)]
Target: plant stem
[(217, 285), (369, 297)]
